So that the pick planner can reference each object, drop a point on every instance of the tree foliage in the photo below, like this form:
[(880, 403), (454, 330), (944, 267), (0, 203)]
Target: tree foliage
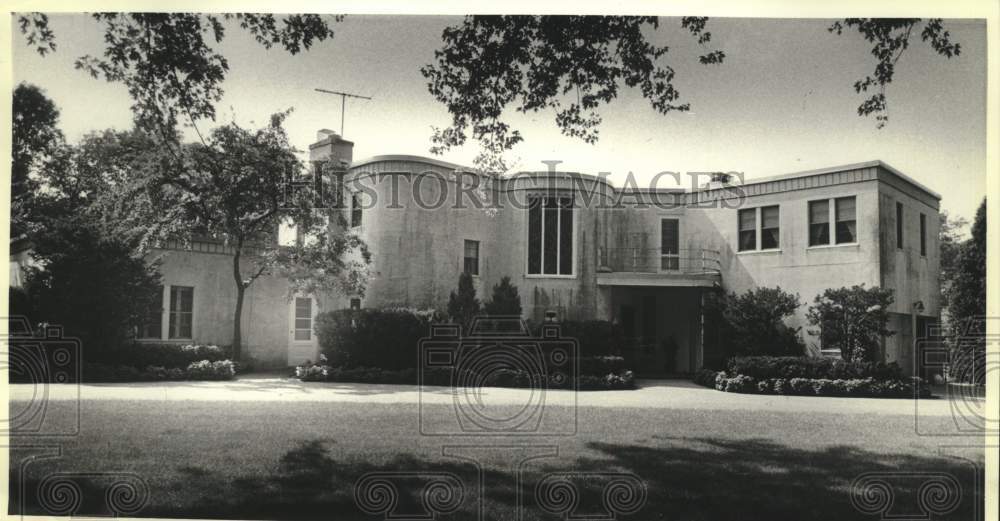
[(950, 241), (852, 320), (505, 300), (463, 306), (966, 295), (167, 60), (568, 64), (35, 136), (754, 322), (891, 37)]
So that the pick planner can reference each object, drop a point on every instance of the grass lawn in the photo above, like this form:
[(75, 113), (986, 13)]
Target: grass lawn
[(296, 459)]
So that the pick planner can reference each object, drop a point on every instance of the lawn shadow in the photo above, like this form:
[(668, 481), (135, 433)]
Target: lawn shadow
[(680, 478)]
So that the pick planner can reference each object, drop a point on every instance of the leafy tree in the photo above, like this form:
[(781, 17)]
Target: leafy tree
[(754, 322), (464, 305), (505, 300), (166, 61), (568, 64), (853, 320), (235, 189), (967, 305), (35, 136), (891, 37), (88, 278), (950, 241)]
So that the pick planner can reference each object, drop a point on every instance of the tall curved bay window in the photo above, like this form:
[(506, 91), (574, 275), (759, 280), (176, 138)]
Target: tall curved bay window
[(550, 235)]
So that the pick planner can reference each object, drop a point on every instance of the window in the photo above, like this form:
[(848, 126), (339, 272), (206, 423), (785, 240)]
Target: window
[(923, 235), (748, 229), (153, 328), (819, 223), (471, 265), (355, 210), (670, 244), (899, 226), (550, 235), (181, 311), (769, 228), (846, 223), (303, 318), (355, 303)]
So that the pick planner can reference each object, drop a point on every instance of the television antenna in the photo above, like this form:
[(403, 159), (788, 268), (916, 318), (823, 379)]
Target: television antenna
[(343, 103)]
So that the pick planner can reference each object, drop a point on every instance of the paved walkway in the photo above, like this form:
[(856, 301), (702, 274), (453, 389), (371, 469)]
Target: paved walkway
[(658, 394)]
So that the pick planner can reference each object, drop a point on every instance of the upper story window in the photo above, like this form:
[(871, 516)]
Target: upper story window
[(899, 226), (670, 239), (923, 234), (840, 214), (759, 226), (355, 210), (471, 259), (550, 235), (181, 311)]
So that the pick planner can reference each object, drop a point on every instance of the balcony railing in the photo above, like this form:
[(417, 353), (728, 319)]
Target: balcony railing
[(653, 260)]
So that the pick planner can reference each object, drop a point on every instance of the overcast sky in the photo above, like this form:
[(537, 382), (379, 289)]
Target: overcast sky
[(782, 102)]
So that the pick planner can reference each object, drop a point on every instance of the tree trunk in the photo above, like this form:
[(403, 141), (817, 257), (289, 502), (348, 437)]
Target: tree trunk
[(238, 315)]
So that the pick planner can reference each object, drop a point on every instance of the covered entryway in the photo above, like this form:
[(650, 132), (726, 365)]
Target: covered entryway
[(663, 327)]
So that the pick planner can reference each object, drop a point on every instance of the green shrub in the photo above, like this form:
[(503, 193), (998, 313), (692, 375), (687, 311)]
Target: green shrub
[(765, 367), (387, 338), (852, 320), (600, 365), (463, 305), (505, 300), (706, 377), (141, 355), (206, 370), (752, 323), (594, 337), (200, 370)]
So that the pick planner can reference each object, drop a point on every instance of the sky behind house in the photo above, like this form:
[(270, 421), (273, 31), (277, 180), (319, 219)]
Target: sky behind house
[(783, 101)]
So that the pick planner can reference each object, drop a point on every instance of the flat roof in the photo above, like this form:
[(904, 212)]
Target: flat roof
[(875, 163)]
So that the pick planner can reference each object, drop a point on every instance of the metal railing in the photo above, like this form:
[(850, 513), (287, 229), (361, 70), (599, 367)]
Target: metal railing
[(652, 260)]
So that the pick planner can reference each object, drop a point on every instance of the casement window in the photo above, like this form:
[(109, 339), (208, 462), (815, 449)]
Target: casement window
[(759, 226), (355, 210), (670, 244), (899, 226), (550, 235), (181, 311), (819, 223), (923, 235), (303, 318), (846, 220), (748, 229), (152, 329), (834, 219), (471, 259)]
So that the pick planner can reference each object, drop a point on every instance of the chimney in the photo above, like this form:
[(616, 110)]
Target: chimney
[(718, 180), (329, 146)]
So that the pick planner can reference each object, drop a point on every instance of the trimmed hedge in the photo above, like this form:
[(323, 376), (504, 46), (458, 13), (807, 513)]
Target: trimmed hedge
[(372, 337), (765, 367), (594, 337), (200, 370), (857, 387), (445, 377), (141, 355)]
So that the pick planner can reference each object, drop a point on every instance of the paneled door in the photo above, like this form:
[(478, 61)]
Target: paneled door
[(302, 344)]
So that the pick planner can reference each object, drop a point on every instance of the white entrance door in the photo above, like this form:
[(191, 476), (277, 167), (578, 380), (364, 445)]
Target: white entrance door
[(302, 344)]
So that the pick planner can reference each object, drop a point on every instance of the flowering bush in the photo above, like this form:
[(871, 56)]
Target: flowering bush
[(201, 370), (206, 370)]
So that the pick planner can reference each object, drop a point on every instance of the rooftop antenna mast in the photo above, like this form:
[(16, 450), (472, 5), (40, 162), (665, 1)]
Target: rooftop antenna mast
[(343, 103)]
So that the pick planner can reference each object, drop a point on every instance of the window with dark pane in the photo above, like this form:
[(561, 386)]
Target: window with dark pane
[(819, 223), (846, 223), (181, 311), (565, 236), (769, 228), (550, 240), (355, 210), (535, 235), (899, 225), (471, 265), (303, 318), (923, 234), (669, 244), (153, 327), (748, 229)]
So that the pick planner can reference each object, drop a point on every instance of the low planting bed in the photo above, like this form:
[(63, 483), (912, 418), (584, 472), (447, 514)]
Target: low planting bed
[(812, 377), (596, 373)]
